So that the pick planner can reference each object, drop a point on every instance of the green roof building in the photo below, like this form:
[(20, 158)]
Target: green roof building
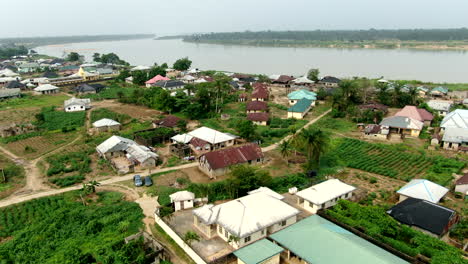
[(300, 109), (319, 241), (300, 94), (259, 252)]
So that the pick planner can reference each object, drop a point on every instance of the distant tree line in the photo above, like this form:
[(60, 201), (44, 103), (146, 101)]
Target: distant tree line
[(339, 35), (8, 51)]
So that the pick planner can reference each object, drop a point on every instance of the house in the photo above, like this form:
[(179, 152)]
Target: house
[(169, 121), (217, 163), (283, 80), (69, 69), (260, 94), (129, 79), (169, 85), (244, 220), (455, 138), (124, 154), (234, 85), (422, 91), (300, 109), (256, 107), (8, 73), (425, 216), (104, 72), (442, 107), (88, 88), (140, 68), (243, 97), (46, 89), (315, 240), (439, 91), (213, 138), (260, 119), (374, 131), (419, 114), (28, 67), (303, 81), (405, 126), (458, 94), (106, 125), (457, 118), (156, 79), (422, 189), (15, 84), (324, 195), (330, 81), (10, 93), (260, 252), (74, 104), (374, 107), (295, 96), (182, 200), (461, 185)]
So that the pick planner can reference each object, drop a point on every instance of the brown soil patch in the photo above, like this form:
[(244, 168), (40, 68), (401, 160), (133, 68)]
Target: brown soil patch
[(141, 113), (277, 166), (23, 115), (278, 95)]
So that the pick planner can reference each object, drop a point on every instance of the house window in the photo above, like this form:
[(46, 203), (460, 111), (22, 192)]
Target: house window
[(226, 233), (247, 239), (283, 223), (258, 160), (220, 229)]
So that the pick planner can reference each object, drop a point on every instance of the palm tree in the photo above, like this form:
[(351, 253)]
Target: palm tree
[(413, 92), (190, 237), (285, 149), (314, 142)]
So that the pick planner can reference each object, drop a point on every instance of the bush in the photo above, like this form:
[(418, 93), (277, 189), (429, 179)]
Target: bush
[(49, 119), (373, 180), (67, 181), (101, 113)]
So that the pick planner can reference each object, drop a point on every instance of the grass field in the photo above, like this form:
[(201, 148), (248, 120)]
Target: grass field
[(34, 101), (390, 161), (18, 115), (14, 176)]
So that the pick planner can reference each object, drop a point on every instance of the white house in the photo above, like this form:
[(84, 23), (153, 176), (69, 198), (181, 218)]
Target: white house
[(74, 104), (106, 124), (182, 200), (205, 138), (457, 118), (461, 185), (324, 195), (442, 107), (422, 189), (245, 220), (46, 89)]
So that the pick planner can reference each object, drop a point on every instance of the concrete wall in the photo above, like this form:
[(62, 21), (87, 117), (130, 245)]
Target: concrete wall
[(260, 123), (183, 204), (313, 208), (205, 229), (188, 250), (224, 235), (75, 108), (463, 188), (276, 227), (450, 145)]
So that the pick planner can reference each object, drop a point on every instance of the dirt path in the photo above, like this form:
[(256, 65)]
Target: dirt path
[(274, 146)]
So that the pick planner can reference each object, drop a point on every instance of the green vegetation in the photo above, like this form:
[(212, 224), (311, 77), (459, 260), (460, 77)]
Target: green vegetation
[(374, 221), (101, 113), (391, 161), (61, 165), (49, 119), (113, 91), (182, 64), (404, 38), (67, 180), (12, 50), (11, 176), (7, 140), (61, 229), (111, 58), (333, 125), (33, 101)]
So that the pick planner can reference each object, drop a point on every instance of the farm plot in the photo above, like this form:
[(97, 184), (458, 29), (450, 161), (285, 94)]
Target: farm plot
[(101, 113), (20, 116), (69, 168), (387, 161), (11, 177), (34, 147)]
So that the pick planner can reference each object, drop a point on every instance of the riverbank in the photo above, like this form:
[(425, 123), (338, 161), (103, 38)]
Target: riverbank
[(417, 45)]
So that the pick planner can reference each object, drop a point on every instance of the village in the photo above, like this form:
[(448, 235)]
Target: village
[(243, 168)]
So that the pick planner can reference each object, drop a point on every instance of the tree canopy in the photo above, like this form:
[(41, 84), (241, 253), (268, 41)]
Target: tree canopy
[(182, 64)]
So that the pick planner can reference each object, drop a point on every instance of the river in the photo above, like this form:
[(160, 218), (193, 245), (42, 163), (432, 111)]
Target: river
[(403, 64)]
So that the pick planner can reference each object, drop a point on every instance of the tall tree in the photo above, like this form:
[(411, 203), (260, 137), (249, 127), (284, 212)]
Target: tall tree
[(96, 57), (285, 149), (73, 56), (246, 129), (182, 64), (313, 75), (314, 142)]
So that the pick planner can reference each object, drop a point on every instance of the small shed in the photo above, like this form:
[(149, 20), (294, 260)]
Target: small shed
[(106, 124), (261, 252), (461, 185), (422, 189), (182, 200)]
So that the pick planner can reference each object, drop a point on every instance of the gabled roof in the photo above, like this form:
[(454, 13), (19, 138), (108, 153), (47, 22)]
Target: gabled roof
[(257, 106), (140, 68), (105, 122), (82, 88), (15, 84), (182, 196), (169, 84), (284, 79), (423, 214), (301, 106), (210, 135), (415, 113), (423, 189), (330, 79), (258, 252), (300, 94), (455, 135), (457, 118), (260, 93), (303, 79), (259, 117), (223, 158), (319, 241), (325, 191), (462, 180), (140, 153), (182, 138), (113, 144), (402, 122), (45, 87), (267, 191), (440, 89), (4, 93), (440, 105), (76, 101), (156, 79), (246, 215), (168, 121)]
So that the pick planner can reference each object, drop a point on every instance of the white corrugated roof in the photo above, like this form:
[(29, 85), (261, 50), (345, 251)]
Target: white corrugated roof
[(440, 105), (455, 135), (45, 87), (114, 143), (210, 135), (325, 191), (140, 68), (302, 79), (423, 189), (182, 138), (247, 215), (105, 122), (457, 118), (8, 73), (140, 153), (182, 196), (267, 191), (75, 101)]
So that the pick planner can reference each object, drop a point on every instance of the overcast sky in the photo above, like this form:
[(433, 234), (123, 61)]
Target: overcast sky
[(23, 18)]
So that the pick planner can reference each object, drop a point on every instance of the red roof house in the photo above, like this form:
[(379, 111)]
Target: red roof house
[(168, 121), (257, 106), (260, 94), (416, 113), (284, 79), (156, 79), (216, 163), (258, 117)]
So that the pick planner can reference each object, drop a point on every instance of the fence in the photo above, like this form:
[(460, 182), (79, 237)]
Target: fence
[(188, 250)]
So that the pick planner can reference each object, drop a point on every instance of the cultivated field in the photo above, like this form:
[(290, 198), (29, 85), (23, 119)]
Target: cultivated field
[(20, 116)]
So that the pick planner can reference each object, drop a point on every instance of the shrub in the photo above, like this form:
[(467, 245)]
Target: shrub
[(67, 181)]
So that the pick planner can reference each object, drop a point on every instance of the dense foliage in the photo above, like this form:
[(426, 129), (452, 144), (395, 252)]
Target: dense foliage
[(110, 58), (392, 162), (60, 164), (101, 113), (9, 51), (374, 221), (49, 119), (182, 64), (60, 229)]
